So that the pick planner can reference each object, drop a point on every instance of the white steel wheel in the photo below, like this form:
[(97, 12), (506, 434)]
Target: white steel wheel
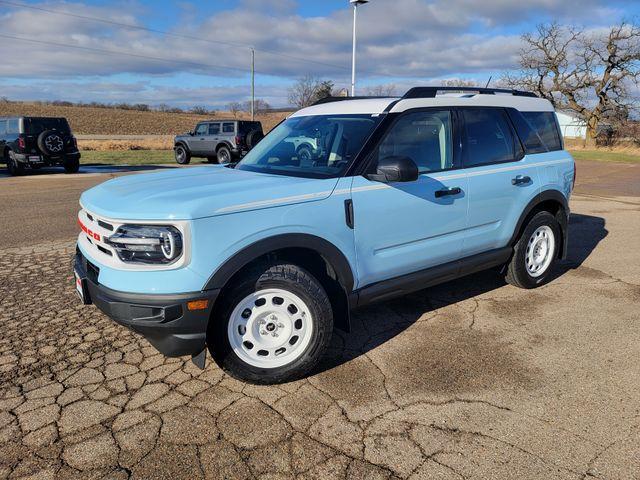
[(270, 328), (541, 248)]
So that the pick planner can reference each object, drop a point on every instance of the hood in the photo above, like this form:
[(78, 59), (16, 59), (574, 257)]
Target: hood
[(196, 192)]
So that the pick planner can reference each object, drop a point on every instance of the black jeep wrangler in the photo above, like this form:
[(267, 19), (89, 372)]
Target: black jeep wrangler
[(28, 143)]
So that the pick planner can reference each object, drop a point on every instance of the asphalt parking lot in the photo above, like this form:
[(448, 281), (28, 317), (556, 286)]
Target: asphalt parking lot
[(470, 379)]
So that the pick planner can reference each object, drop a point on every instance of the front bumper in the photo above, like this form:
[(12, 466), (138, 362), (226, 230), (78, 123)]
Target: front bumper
[(164, 320)]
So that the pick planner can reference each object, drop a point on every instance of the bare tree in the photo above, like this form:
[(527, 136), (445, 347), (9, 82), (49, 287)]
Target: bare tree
[(387, 90), (260, 106), (459, 82), (591, 73), (308, 90), (234, 108)]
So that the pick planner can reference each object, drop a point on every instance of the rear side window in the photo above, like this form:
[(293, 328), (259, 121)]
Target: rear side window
[(488, 137), (227, 127), (35, 126), (545, 125), (214, 128), (424, 137)]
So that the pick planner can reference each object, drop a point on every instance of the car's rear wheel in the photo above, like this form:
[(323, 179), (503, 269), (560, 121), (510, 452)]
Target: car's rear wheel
[(224, 155), (272, 326), (535, 253), (183, 157), (71, 165)]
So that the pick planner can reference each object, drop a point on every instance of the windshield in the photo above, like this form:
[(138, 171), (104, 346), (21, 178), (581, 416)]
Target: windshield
[(34, 126), (318, 146)]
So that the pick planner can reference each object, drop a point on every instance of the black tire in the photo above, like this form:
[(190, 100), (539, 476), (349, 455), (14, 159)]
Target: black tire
[(284, 276), (14, 167), (253, 137), (71, 165), (517, 272), (223, 154), (51, 142), (182, 154)]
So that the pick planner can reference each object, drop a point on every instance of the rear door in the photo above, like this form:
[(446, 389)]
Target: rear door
[(212, 138), (502, 180)]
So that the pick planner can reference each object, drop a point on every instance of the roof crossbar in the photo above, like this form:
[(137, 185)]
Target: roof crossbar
[(431, 92)]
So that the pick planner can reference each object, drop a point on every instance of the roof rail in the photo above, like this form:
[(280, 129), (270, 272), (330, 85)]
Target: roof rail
[(431, 92), (339, 99)]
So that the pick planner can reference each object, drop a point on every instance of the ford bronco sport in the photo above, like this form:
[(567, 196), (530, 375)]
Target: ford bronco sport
[(261, 260), (220, 141), (28, 143)]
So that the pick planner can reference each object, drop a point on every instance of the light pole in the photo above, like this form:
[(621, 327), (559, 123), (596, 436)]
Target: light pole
[(355, 4)]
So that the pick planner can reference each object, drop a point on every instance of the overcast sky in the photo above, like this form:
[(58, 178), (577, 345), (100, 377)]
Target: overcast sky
[(71, 56)]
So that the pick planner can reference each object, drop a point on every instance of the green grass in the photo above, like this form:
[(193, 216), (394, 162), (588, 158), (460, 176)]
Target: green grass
[(127, 157), (605, 156)]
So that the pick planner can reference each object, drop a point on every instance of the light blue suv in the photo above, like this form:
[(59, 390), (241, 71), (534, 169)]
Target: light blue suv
[(260, 260)]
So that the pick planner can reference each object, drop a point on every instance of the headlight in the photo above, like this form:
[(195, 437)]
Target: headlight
[(152, 244)]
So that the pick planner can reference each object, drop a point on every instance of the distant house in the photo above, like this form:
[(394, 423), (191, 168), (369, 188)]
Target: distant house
[(571, 125)]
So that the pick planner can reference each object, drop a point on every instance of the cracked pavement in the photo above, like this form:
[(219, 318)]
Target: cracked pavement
[(470, 379)]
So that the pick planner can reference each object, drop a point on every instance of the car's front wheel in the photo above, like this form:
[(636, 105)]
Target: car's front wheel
[(183, 156), (15, 167), (272, 326), (535, 253)]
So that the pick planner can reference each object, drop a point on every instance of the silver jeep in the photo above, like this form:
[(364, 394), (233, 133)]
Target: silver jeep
[(220, 141)]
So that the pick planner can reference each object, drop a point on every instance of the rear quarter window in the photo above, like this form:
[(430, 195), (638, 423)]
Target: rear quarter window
[(228, 127), (546, 126)]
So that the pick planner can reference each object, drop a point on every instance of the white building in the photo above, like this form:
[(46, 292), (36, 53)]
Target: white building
[(571, 126)]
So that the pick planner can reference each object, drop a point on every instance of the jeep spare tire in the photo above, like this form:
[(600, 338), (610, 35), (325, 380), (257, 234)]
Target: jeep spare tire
[(253, 137), (51, 142)]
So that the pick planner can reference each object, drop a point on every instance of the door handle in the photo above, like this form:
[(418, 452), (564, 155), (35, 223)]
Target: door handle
[(520, 180), (448, 191)]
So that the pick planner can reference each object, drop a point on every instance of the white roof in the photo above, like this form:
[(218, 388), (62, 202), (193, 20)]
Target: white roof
[(378, 105)]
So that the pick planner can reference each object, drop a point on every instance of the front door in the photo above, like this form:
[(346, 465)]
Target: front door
[(197, 143), (405, 227)]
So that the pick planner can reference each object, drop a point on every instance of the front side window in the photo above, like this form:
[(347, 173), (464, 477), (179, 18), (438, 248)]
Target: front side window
[(201, 129), (214, 128), (488, 137), (317, 146), (425, 137), (228, 127)]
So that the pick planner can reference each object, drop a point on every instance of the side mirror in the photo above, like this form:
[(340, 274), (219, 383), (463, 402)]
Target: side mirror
[(396, 168), (191, 132)]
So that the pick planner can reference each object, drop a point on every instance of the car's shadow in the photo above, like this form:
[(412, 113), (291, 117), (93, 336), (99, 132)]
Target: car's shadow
[(376, 324)]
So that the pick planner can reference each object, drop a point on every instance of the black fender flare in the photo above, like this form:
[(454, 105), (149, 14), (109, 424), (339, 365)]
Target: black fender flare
[(327, 250), (183, 144), (562, 217), (224, 144)]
